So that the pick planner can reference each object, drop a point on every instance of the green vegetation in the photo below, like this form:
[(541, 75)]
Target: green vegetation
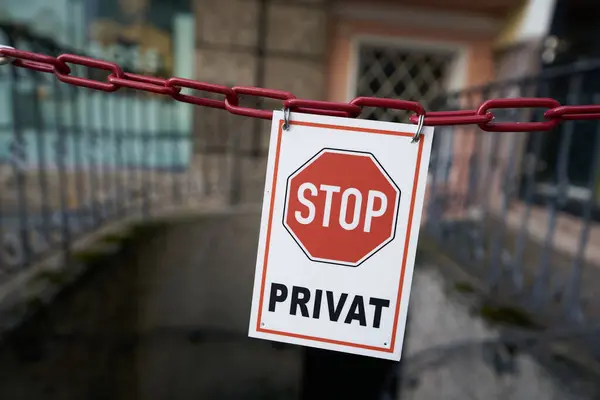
[(464, 287), (58, 278), (117, 237), (146, 227), (89, 256), (34, 303), (507, 315)]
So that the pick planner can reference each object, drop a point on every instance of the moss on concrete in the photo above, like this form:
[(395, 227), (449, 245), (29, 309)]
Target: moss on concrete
[(58, 278), (90, 256), (507, 315), (464, 287), (118, 237), (34, 303), (493, 314), (143, 228)]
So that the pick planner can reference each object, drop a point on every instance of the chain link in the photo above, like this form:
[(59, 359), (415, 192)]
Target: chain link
[(117, 79)]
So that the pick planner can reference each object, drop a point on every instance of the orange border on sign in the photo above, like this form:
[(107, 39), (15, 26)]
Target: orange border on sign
[(406, 243)]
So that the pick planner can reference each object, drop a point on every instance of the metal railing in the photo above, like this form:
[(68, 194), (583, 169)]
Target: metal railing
[(73, 159), (521, 210)]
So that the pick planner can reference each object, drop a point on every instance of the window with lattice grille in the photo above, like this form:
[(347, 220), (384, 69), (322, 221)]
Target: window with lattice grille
[(407, 74)]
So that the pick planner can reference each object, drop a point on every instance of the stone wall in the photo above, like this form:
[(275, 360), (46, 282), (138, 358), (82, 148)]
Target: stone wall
[(269, 43), (280, 45), (295, 37)]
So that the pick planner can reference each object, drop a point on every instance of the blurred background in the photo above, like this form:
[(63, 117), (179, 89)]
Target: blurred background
[(129, 221)]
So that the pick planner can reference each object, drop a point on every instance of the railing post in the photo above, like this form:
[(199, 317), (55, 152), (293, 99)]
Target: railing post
[(19, 160), (175, 136), (93, 151), (61, 156), (236, 171), (42, 141)]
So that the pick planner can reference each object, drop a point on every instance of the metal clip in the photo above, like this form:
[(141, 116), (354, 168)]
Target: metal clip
[(417, 136), (5, 59), (286, 119)]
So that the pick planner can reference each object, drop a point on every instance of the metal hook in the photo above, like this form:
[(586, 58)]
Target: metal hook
[(286, 119), (417, 136), (5, 59)]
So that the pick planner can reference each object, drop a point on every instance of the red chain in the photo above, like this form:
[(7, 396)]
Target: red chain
[(117, 79)]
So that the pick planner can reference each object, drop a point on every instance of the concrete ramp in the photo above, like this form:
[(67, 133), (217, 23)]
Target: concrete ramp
[(200, 272), (165, 318), (199, 280)]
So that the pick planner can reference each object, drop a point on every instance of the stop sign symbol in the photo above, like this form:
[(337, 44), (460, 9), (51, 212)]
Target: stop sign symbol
[(341, 207)]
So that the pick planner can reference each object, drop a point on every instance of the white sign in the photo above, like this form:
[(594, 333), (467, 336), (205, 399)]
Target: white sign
[(339, 227)]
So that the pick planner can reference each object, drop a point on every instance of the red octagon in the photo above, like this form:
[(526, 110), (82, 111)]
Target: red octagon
[(341, 207)]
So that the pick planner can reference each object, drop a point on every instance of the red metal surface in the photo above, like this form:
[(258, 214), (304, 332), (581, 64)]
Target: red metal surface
[(34, 61), (459, 117), (116, 72), (205, 87), (518, 103), (232, 107), (483, 116), (389, 103), (145, 83), (574, 112), (323, 108)]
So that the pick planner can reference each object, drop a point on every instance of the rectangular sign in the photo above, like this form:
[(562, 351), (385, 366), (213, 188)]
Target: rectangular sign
[(339, 227)]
